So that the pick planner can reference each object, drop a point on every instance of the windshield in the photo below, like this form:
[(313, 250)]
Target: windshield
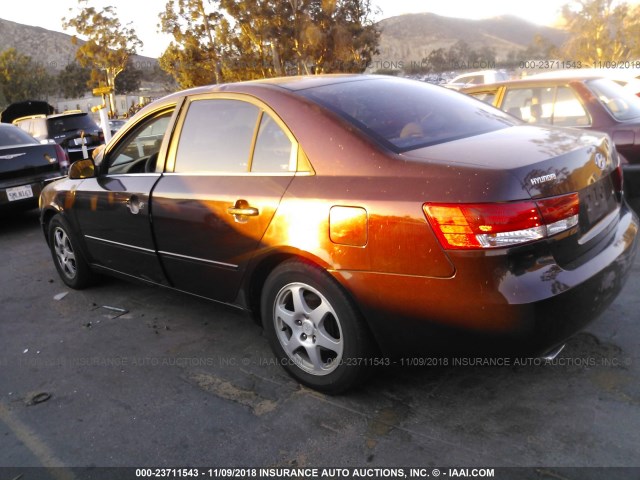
[(622, 104), (405, 114), (70, 123)]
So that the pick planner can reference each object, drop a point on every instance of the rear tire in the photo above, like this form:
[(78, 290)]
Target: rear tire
[(67, 257), (314, 328)]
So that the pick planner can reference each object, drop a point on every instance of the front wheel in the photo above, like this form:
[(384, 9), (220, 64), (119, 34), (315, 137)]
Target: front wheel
[(71, 265), (314, 329)]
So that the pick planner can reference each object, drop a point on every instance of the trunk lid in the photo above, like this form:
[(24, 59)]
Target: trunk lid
[(544, 163), (28, 163)]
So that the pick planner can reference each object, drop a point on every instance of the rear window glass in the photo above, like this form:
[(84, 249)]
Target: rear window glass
[(405, 115), (69, 123), (621, 103), (10, 136)]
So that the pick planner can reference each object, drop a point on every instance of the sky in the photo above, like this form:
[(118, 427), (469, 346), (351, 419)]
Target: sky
[(144, 14)]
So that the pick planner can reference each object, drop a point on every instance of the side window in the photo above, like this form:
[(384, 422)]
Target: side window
[(217, 136), (274, 151), (533, 105), (486, 97), (138, 151), (568, 111), (39, 128)]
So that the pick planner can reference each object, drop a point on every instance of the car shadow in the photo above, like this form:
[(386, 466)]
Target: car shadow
[(16, 221)]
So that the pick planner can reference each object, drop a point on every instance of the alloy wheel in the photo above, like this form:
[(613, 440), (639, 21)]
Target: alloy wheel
[(308, 329)]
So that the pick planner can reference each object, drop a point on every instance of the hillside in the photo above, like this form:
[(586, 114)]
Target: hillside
[(52, 50), (405, 38), (411, 37)]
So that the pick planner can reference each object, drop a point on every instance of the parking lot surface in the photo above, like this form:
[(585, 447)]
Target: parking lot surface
[(124, 375)]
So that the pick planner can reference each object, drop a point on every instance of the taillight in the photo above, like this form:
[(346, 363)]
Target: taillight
[(63, 158), (618, 183), (498, 225)]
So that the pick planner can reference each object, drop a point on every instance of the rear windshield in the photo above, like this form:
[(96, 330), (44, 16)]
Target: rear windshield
[(11, 136), (405, 114), (622, 104), (70, 123)]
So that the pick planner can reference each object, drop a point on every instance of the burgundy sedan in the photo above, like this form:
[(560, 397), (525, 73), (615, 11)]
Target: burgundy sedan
[(362, 218)]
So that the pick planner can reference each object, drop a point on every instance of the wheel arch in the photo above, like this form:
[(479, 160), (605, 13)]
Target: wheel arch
[(262, 267), (45, 219), (48, 214)]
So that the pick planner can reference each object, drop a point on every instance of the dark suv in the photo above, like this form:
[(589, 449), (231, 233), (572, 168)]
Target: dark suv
[(69, 130)]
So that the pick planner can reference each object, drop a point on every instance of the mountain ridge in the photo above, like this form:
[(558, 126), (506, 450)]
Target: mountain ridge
[(409, 38), (47, 48), (404, 39)]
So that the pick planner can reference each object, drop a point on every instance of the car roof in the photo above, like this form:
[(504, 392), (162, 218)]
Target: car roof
[(8, 125), (68, 114), (292, 84), (289, 83), (27, 117), (25, 109), (478, 72), (617, 74), (528, 81)]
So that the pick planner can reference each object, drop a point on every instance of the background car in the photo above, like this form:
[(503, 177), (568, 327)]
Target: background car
[(69, 130), (360, 217), (591, 102), (628, 78), (24, 109), (477, 78), (115, 125), (25, 165)]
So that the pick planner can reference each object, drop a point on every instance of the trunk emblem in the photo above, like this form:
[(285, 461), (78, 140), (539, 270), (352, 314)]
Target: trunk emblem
[(9, 157), (601, 161), (543, 179)]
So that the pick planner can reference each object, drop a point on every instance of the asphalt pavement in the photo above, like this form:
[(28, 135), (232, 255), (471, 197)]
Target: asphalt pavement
[(125, 375)]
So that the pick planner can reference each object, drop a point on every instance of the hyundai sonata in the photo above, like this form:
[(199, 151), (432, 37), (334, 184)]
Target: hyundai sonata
[(362, 218)]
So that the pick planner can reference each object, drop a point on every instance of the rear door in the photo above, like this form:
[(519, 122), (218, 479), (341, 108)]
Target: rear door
[(229, 166), (113, 208)]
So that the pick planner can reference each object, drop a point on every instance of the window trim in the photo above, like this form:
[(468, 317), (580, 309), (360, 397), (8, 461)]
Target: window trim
[(124, 134), (298, 157)]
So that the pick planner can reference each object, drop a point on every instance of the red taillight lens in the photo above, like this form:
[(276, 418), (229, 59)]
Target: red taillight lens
[(63, 158), (499, 225), (618, 179)]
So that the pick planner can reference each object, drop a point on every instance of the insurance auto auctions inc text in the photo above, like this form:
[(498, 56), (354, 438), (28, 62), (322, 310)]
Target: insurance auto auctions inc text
[(339, 473)]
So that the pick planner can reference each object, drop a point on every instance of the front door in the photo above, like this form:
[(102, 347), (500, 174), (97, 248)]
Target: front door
[(122, 240)]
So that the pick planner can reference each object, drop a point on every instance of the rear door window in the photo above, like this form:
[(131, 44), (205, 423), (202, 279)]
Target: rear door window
[(533, 105), (568, 111), (486, 97), (274, 151), (217, 136), (546, 106), (233, 136)]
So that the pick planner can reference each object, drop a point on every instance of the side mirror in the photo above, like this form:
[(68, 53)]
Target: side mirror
[(98, 153), (82, 169)]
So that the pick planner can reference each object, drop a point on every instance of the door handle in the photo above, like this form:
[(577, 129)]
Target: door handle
[(247, 211), (241, 210), (134, 204)]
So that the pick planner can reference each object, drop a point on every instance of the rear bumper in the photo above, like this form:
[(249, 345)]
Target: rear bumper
[(494, 304), (23, 203)]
